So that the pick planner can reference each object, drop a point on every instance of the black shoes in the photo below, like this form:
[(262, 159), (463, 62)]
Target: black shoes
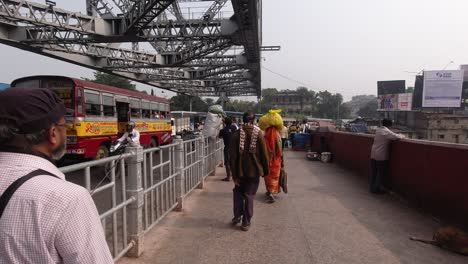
[(245, 227), (269, 198), (227, 179), (236, 220)]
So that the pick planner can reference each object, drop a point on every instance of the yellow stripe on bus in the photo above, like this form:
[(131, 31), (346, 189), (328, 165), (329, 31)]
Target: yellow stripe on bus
[(89, 129)]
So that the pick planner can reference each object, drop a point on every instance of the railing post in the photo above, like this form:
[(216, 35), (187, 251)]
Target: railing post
[(201, 158), (135, 209), (179, 166)]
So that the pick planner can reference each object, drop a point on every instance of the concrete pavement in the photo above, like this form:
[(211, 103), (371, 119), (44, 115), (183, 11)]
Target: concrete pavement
[(328, 217)]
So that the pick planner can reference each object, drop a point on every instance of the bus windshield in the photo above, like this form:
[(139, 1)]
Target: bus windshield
[(63, 88)]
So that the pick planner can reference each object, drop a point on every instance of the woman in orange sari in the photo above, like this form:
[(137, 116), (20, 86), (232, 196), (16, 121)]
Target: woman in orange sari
[(275, 154)]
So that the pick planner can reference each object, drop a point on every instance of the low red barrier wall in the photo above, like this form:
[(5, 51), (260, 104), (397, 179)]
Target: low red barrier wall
[(433, 175)]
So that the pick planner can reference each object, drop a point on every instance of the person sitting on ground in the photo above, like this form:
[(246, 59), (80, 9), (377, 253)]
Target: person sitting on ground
[(380, 155), (43, 218)]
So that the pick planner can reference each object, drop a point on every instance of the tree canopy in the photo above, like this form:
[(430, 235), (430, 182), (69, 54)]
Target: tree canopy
[(181, 102), (112, 80)]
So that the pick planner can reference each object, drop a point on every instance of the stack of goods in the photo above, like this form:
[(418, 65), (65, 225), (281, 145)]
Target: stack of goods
[(213, 121), (271, 119)]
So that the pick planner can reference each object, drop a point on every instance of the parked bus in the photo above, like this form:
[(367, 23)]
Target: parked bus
[(97, 114)]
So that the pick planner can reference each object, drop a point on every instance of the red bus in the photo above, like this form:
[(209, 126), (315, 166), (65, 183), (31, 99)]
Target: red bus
[(96, 114)]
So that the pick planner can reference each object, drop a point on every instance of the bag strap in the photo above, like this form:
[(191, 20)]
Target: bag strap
[(6, 196)]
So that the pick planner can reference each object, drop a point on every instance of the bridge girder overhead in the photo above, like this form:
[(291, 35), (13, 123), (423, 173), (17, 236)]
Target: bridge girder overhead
[(205, 55)]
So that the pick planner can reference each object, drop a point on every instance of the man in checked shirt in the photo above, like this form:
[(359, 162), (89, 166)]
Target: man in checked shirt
[(43, 218)]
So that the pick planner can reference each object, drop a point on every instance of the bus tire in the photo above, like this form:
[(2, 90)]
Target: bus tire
[(103, 152)]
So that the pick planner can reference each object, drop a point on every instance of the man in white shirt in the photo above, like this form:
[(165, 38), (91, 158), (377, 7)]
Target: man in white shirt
[(43, 218), (131, 134), (380, 155), (284, 135)]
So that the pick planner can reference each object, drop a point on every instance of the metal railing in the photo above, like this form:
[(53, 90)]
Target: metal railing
[(135, 190)]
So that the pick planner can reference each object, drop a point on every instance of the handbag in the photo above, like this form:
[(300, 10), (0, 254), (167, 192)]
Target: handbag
[(283, 180)]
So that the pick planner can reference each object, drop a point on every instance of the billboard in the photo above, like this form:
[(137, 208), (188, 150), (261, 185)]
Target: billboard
[(395, 102), (387, 102), (405, 102), (442, 88), (391, 87)]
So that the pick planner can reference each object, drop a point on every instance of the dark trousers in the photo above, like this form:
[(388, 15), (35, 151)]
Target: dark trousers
[(379, 170), (227, 162), (283, 142), (244, 195)]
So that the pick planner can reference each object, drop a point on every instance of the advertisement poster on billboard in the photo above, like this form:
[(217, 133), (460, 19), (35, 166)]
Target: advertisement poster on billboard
[(442, 88), (395, 102), (405, 102), (387, 102)]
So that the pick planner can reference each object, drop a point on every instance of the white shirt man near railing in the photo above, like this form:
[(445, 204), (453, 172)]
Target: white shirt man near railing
[(380, 155)]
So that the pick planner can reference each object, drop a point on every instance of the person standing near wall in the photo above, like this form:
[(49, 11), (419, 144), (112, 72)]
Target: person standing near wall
[(249, 162), (380, 155)]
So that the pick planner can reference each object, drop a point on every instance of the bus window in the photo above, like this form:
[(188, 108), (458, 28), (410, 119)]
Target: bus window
[(145, 110), (135, 108), (92, 104), (79, 101), (108, 105)]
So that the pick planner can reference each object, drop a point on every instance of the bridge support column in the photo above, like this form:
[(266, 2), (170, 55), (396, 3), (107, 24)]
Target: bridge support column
[(135, 189), (179, 166), (201, 158)]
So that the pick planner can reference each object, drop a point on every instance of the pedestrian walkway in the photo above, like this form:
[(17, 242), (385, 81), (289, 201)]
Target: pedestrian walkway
[(328, 217)]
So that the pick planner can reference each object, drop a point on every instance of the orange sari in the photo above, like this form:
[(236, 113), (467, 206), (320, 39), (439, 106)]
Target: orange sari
[(273, 144)]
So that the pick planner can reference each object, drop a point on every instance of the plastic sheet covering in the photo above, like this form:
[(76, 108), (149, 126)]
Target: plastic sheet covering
[(213, 124), (271, 119)]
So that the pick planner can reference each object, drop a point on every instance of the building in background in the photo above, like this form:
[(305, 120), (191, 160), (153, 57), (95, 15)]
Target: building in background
[(291, 102)]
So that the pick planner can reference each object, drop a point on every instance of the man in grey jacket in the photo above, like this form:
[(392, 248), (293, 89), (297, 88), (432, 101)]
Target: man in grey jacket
[(380, 155)]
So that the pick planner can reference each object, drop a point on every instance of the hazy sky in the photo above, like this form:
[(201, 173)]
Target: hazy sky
[(339, 45)]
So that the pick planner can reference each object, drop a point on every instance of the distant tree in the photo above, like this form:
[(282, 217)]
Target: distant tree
[(304, 96), (357, 102), (369, 110), (266, 102), (209, 101), (152, 92), (410, 90), (181, 102), (112, 80)]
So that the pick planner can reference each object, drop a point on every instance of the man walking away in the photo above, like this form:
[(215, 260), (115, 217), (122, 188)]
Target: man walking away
[(226, 134), (249, 162), (284, 136), (43, 218), (380, 155)]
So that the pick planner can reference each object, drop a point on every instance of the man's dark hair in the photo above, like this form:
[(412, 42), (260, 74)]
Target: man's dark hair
[(387, 122), (228, 121), (248, 117)]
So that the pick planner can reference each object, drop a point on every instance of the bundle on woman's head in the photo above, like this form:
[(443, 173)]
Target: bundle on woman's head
[(271, 119)]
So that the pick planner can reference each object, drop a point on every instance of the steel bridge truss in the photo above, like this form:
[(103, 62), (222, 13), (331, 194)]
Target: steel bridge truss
[(208, 55)]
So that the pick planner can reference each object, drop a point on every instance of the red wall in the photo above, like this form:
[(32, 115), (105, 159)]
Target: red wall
[(432, 175)]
